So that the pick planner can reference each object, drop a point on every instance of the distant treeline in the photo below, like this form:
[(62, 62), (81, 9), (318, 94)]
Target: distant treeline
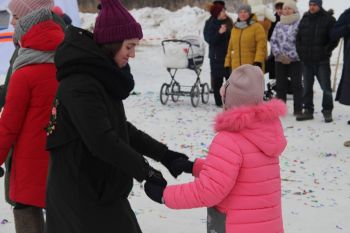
[(90, 5)]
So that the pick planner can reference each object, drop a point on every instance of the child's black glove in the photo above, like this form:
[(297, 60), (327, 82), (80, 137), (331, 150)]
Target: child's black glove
[(154, 191), (169, 158)]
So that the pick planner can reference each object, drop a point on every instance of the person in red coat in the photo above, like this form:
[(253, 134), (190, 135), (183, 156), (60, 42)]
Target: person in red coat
[(26, 114)]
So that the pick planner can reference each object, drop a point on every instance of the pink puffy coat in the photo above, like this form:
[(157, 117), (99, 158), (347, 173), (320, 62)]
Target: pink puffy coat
[(241, 174)]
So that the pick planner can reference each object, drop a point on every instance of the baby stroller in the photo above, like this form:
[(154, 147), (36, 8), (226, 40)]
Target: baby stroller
[(270, 90), (185, 53)]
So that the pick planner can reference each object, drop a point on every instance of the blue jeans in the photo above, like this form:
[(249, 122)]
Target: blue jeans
[(322, 71)]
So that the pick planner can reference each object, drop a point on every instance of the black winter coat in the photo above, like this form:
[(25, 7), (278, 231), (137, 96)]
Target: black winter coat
[(313, 42), (342, 29), (218, 43), (95, 152)]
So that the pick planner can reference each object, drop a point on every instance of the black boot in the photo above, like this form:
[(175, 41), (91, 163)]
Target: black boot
[(306, 115), (29, 220), (327, 114)]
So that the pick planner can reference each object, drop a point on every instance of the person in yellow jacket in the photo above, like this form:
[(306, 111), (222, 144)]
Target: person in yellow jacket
[(248, 42)]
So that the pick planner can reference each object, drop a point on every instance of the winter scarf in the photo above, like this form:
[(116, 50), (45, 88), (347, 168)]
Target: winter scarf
[(290, 19), (244, 24), (30, 56), (118, 82)]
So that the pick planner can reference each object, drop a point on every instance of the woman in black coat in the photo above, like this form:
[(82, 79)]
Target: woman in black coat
[(95, 152), (218, 36), (342, 29)]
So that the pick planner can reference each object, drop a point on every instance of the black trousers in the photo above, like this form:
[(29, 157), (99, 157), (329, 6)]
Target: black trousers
[(322, 72), (218, 76), (294, 71)]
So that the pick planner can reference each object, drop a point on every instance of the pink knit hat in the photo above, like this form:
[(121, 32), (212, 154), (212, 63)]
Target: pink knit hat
[(244, 87), (114, 23), (21, 8)]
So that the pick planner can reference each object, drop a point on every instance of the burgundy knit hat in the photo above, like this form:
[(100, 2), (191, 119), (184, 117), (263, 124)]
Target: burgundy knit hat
[(114, 23), (21, 8), (216, 9)]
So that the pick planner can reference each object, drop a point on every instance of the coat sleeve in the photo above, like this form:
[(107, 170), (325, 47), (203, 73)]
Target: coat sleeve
[(261, 44), (216, 179), (332, 44), (298, 44), (145, 144), (228, 57), (14, 113), (341, 28), (89, 114), (206, 30), (275, 45)]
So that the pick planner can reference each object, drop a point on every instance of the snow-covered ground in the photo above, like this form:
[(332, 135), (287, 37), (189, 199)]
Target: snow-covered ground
[(315, 166)]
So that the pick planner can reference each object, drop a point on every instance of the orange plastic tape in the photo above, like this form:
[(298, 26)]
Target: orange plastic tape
[(6, 37)]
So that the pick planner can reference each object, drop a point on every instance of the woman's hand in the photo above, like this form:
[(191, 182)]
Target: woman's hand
[(223, 28)]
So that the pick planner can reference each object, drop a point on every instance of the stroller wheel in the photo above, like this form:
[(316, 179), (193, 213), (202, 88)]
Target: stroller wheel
[(164, 93), (205, 93), (175, 91), (195, 95)]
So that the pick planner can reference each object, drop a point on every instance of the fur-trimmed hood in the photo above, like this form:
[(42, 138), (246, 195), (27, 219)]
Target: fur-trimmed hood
[(259, 124)]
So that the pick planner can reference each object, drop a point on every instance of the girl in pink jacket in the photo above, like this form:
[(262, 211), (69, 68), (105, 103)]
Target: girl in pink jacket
[(240, 178)]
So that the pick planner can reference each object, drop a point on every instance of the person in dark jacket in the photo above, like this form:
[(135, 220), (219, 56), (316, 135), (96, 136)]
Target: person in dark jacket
[(58, 11), (342, 30), (270, 62), (206, 32), (278, 13), (95, 152), (219, 31), (314, 47)]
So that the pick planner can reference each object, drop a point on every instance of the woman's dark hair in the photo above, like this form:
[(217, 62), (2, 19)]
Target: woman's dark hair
[(111, 49), (279, 5)]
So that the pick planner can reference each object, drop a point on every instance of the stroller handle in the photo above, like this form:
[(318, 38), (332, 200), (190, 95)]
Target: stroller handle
[(176, 40), (190, 46)]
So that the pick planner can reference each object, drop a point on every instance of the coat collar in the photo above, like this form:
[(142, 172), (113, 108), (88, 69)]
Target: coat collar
[(236, 119)]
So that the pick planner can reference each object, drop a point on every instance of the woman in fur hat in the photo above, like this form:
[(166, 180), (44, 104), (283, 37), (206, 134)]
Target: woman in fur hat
[(283, 46)]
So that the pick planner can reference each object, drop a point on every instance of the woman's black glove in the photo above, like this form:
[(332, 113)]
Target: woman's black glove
[(169, 158), (257, 64), (182, 165), (154, 191), (154, 176)]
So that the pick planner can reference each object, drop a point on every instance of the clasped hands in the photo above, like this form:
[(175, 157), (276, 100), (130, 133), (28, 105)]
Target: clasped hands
[(176, 163)]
